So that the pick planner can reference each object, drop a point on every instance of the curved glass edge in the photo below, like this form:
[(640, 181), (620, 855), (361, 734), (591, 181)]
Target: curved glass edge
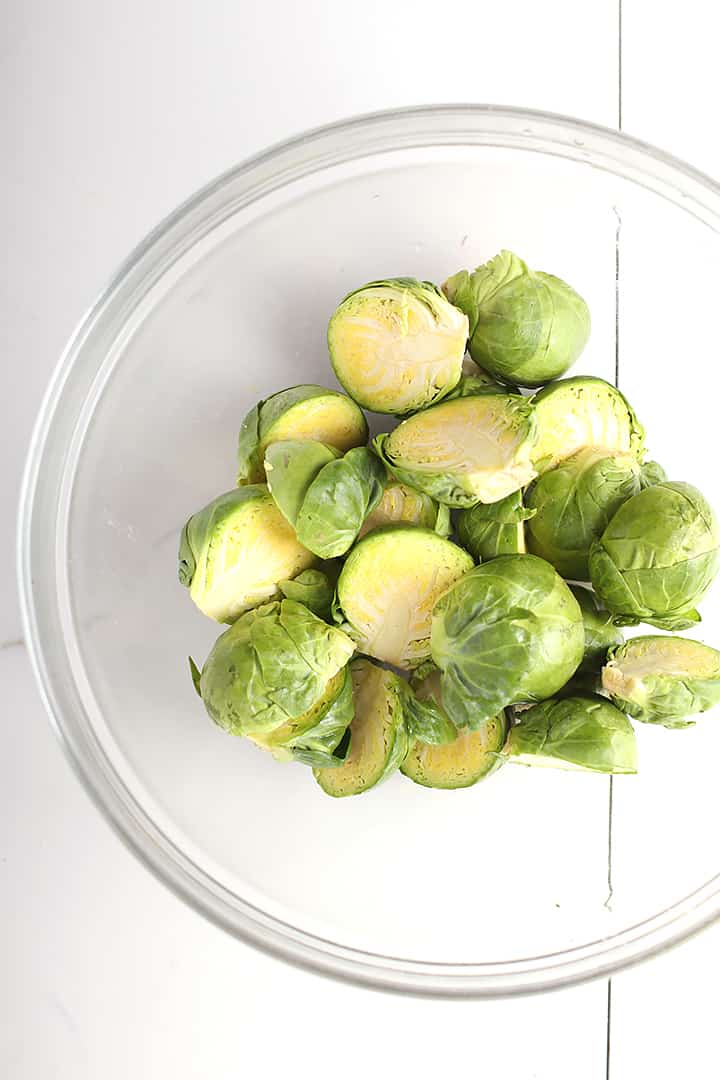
[(358, 137)]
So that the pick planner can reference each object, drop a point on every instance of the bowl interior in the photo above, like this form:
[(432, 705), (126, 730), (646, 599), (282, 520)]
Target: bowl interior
[(523, 866)]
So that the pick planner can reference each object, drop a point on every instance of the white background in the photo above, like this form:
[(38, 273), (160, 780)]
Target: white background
[(113, 114)]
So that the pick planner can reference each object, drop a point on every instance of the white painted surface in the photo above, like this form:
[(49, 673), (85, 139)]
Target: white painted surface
[(118, 113)]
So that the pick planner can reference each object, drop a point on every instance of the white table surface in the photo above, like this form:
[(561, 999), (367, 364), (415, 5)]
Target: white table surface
[(115, 113)]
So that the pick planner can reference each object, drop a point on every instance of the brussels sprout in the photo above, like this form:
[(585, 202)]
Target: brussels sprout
[(397, 345), (378, 739), (235, 550), (601, 633), (658, 557), (574, 413), (507, 632), (401, 504), (662, 680), (321, 736), (492, 529), (651, 473), (462, 452), (300, 412), (573, 504), (273, 665), (468, 757), (387, 589), (583, 732), (313, 588), (526, 327), (291, 465)]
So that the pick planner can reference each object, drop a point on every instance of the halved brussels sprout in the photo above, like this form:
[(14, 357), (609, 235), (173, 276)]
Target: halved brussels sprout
[(462, 452), (573, 504), (663, 680), (300, 412), (491, 529), (601, 633), (657, 557), (574, 413), (378, 739), (509, 631), (274, 665), (313, 588), (469, 757), (397, 345), (235, 550), (388, 586), (321, 736), (583, 732), (402, 504), (526, 327)]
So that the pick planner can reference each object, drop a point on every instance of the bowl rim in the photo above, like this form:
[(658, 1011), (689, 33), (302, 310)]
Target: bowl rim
[(363, 135)]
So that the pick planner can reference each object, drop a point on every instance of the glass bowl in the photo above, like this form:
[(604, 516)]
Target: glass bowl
[(533, 880)]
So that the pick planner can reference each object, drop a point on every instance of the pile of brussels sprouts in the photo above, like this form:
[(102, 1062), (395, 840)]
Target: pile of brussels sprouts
[(423, 603)]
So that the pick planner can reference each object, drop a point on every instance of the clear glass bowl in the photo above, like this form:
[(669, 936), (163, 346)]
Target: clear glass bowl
[(533, 880)]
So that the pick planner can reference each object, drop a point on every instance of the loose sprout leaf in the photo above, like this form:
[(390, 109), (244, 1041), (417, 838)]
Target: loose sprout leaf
[(195, 675), (526, 327), (291, 466), (663, 680), (461, 452), (338, 501), (426, 721), (397, 345), (583, 732), (508, 631)]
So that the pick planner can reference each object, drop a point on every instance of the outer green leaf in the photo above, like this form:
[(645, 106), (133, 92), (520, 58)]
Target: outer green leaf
[(313, 588), (492, 529), (507, 632), (425, 719), (526, 327), (338, 501), (291, 466), (573, 504), (652, 473), (657, 557), (584, 732), (663, 680), (195, 675), (320, 737)]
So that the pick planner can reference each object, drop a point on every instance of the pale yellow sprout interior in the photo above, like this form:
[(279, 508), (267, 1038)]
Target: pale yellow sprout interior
[(399, 503), (394, 350), (667, 656), (580, 418), (389, 587), (244, 559), (334, 420), (471, 437)]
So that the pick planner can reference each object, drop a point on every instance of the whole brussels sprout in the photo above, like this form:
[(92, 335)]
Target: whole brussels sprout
[(584, 732), (273, 666), (235, 550), (574, 413), (601, 633), (461, 452), (491, 529), (573, 504), (397, 345), (387, 589), (526, 327), (300, 412), (657, 557), (663, 680), (509, 631)]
